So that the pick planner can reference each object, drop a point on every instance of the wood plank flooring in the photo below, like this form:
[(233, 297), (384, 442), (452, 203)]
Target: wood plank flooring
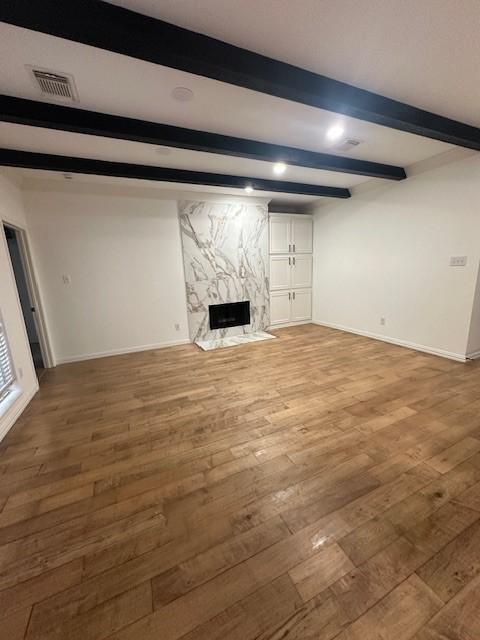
[(321, 485)]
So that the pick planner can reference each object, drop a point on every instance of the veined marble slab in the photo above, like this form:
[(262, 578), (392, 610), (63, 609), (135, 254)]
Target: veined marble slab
[(234, 341), (225, 255)]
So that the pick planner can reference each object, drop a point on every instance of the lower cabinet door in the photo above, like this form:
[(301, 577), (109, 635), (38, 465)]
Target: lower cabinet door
[(280, 303), (301, 305)]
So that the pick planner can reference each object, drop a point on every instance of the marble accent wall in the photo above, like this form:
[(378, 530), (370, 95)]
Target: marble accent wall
[(225, 254)]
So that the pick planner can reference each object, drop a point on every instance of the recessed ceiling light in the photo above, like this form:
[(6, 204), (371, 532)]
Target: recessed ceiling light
[(68, 176), (279, 168), (335, 132), (182, 94), (249, 189)]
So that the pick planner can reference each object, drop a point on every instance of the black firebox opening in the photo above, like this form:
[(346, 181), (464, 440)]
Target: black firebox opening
[(232, 314)]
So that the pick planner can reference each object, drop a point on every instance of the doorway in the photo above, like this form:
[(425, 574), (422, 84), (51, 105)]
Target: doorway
[(26, 287)]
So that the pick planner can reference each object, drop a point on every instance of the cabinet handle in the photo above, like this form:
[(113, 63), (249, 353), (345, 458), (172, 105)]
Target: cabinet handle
[(289, 263), (294, 262), (289, 248), (293, 248), (294, 295), (289, 295)]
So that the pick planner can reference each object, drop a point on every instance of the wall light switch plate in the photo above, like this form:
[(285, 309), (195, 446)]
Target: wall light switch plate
[(458, 261)]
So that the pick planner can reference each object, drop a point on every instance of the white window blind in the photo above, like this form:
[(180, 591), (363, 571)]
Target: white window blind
[(7, 374)]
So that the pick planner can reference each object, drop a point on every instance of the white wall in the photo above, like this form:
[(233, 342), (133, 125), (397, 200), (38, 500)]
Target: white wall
[(11, 210), (123, 255), (473, 345), (385, 252)]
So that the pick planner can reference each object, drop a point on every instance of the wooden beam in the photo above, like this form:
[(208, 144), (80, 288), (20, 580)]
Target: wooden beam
[(126, 32), (48, 162), (51, 116)]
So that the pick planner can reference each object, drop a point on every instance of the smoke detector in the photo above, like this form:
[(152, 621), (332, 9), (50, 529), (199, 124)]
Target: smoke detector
[(163, 151), (348, 144), (52, 84), (182, 94)]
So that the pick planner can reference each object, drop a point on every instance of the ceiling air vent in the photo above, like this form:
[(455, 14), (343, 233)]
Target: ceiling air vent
[(55, 85), (348, 144)]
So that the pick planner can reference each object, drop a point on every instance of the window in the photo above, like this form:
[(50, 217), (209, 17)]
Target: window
[(7, 374)]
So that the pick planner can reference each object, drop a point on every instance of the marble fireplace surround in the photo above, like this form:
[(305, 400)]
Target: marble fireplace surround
[(225, 256)]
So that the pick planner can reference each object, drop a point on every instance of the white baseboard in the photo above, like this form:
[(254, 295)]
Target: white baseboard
[(282, 325), (17, 409), (473, 356), (400, 343), (119, 352)]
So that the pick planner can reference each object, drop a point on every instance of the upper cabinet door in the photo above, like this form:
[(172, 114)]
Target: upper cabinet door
[(280, 272), (280, 241), (301, 235), (301, 271)]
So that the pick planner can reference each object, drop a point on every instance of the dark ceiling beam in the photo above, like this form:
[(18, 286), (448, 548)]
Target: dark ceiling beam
[(48, 162), (126, 32), (51, 116)]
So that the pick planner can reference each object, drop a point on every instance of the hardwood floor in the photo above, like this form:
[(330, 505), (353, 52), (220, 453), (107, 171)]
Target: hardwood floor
[(317, 486)]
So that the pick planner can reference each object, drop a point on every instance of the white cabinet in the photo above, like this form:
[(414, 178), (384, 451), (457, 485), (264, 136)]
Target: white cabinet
[(280, 232), (301, 305), (280, 272), (290, 272), (290, 306), (291, 246), (301, 234), (290, 233), (301, 271), (280, 307)]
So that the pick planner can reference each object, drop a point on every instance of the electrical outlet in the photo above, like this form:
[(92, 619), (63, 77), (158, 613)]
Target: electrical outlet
[(20, 372), (66, 279), (177, 327), (458, 261), (382, 320)]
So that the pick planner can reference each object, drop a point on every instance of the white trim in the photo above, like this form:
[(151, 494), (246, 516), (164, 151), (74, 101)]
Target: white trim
[(119, 352), (33, 291), (16, 403), (473, 356), (33, 295), (281, 325), (401, 343)]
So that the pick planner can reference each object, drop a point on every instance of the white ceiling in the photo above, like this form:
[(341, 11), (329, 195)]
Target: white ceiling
[(422, 52), (13, 136), (35, 179), (401, 49), (113, 83)]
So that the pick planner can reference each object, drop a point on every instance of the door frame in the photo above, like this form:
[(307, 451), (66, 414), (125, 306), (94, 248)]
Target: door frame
[(33, 294)]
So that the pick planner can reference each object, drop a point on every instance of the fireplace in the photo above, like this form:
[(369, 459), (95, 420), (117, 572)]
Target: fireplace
[(232, 314), (225, 257)]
